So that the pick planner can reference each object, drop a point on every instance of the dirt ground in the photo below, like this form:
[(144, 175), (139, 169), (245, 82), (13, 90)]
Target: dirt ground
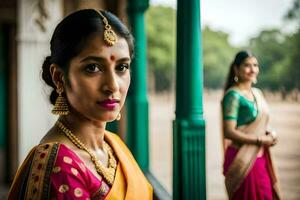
[(285, 119)]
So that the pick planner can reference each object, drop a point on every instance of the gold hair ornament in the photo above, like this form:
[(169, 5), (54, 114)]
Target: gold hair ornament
[(110, 36)]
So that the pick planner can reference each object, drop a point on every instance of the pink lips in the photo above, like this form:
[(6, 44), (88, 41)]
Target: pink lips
[(109, 104)]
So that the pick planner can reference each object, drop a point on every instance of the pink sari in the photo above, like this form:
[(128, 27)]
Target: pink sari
[(257, 184), (53, 171), (71, 179), (56, 172), (249, 175)]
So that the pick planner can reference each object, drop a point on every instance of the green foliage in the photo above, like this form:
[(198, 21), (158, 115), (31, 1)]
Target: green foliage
[(277, 53), (217, 55), (269, 48), (278, 56), (292, 74), (294, 12), (161, 38)]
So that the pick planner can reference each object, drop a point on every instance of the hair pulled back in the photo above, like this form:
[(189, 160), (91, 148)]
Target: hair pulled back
[(70, 37), (239, 59)]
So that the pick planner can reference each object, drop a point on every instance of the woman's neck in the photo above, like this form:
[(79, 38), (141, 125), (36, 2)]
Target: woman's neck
[(90, 133), (244, 86)]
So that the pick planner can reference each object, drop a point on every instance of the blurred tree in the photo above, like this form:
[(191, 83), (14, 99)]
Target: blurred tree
[(270, 49), (292, 72), (294, 12), (278, 54), (292, 75), (217, 54), (161, 39)]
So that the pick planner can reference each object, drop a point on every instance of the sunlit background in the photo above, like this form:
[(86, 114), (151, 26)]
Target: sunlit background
[(269, 28)]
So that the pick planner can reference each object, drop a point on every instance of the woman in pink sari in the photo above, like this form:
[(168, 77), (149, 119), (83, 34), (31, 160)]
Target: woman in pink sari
[(89, 74), (248, 169)]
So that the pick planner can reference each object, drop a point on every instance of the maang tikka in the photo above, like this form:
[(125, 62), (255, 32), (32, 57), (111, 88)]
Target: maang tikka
[(61, 105), (109, 36)]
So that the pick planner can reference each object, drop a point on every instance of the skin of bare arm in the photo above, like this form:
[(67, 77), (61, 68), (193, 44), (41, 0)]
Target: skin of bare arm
[(238, 137)]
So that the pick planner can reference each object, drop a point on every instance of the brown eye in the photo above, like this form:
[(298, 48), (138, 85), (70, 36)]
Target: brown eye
[(122, 67), (92, 68)]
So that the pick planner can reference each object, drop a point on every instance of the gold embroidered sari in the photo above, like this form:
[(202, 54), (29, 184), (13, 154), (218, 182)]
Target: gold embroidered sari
[(130, 183), (247, 153)]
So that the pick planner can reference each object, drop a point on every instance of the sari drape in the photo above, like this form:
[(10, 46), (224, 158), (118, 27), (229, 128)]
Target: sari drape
[(247, 153), (130, 183)]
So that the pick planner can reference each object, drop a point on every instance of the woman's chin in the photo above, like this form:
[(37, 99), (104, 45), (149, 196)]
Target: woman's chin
[(109, 118)]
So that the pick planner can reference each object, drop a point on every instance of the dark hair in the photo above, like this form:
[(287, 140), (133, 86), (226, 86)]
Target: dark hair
[(70, 37), (239, 59)]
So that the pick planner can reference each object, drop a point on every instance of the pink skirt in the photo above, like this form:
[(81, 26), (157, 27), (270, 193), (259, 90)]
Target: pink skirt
[(257, 184)]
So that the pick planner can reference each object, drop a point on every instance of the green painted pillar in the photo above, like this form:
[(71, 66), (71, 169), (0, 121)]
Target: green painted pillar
[(137, 102), (189, 126), (3, 87)]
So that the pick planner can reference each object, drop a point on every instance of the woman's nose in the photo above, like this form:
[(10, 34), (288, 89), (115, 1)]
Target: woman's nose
[(111, 83)]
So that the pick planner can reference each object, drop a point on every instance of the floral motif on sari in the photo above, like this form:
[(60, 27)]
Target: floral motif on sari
[(71, 179)]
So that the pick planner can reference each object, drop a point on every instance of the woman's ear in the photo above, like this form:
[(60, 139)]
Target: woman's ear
[(57, 75)]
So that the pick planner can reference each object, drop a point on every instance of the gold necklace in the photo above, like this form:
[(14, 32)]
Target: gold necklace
[(108, 173)]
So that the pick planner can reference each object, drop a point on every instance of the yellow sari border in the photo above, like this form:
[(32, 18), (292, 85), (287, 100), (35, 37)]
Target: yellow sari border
[(130, 182)]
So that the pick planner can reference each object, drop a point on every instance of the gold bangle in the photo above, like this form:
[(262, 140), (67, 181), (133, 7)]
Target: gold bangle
[(258, 141)]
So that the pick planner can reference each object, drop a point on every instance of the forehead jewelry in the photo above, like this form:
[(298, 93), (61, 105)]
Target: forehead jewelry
[(110, 36)]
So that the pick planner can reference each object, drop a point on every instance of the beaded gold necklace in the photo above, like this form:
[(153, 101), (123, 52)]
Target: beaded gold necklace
[(108, 173)]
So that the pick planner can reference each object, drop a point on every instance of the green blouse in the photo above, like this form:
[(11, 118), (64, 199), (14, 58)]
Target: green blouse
[(237, 107)]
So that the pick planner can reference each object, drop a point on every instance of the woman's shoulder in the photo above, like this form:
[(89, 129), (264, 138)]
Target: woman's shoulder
[(55, 152), (61, 151), (115, 141), (233, 90), (59, 158), (54, 136), (45, 149), (231, 93), (113, 136), (257, 90)]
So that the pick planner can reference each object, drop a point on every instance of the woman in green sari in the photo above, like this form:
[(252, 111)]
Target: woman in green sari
[(248, 169)]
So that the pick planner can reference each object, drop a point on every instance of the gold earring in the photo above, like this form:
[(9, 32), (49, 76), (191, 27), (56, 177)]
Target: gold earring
[(236, 79), (61, 105), (118, 117)]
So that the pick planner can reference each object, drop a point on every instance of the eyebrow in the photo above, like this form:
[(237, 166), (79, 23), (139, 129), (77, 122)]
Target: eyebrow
[(101, 59)]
